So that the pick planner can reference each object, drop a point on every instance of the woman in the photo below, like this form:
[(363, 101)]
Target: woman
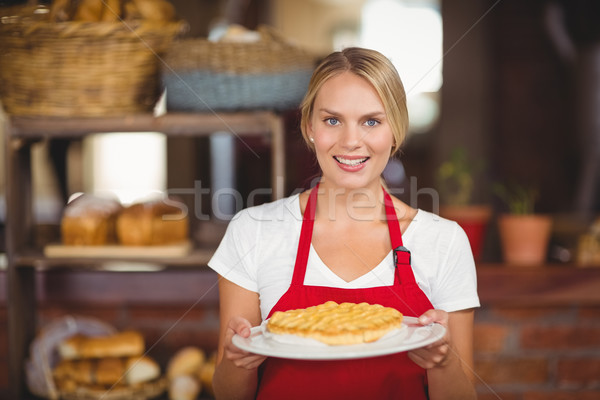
[(335, 242)]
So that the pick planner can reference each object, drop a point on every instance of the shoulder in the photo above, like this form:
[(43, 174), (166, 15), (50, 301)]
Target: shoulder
[(286, 209), (434, 221), (429, 229)]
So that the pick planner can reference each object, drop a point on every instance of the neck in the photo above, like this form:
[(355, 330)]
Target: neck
[(343, 204)]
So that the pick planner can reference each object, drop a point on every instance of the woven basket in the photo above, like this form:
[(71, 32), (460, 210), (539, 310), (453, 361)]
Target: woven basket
[(145, 391), (44, 357), (202, 75), (81, 69)]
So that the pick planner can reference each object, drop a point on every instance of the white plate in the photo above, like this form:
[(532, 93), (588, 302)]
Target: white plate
[(411, 336)]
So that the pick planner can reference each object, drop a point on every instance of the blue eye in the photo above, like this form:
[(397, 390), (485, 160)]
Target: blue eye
[(331, 121), (371, 122)]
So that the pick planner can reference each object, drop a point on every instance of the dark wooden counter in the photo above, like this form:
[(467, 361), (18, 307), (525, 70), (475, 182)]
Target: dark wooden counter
[(553, 284)]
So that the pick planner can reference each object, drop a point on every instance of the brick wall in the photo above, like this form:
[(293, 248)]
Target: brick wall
[(537, 335)]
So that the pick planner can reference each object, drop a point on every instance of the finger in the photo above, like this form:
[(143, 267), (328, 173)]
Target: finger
[(418, 359), (240, 326), (249, 362), (255, 363), (430, 358), (431, 316)]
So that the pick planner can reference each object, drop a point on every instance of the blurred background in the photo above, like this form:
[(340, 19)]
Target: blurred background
[(508, 90)]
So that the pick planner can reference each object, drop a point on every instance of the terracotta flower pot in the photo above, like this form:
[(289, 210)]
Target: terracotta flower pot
[(474, 220), (524, 238)]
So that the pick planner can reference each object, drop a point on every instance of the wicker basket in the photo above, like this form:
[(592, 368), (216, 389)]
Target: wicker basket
[(202, 75), (81, 69), (145, 391), (44, 357)]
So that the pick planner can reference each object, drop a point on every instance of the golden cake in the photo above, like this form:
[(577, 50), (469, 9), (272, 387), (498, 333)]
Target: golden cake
[(337, 324)]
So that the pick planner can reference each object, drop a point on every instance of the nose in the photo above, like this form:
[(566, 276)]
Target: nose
[(351, 137)]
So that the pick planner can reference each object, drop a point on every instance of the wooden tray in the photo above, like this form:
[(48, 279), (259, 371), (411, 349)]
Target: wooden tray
[(118, 251)]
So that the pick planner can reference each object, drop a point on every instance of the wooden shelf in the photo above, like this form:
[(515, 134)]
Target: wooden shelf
[(172, 124), (198, 258), (545, 285), (24, 260)]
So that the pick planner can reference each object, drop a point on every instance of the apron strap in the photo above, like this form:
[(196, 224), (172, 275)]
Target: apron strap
[(308, 221), (392, 220), (402, 258)]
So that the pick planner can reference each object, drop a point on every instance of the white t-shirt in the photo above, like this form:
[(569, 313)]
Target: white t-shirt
[(259, 249)]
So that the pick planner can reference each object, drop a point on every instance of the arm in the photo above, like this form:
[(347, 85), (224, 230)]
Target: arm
[(449, 362), (236, 372)]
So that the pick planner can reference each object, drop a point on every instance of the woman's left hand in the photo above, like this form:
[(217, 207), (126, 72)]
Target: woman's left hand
[(435, 354)]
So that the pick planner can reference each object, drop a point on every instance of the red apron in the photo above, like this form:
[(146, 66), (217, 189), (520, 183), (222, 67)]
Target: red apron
[(385, 377)]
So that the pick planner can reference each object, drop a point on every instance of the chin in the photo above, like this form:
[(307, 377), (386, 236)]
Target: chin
[(353, 183)]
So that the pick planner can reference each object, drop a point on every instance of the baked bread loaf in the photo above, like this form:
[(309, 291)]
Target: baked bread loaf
[(184, 387), (89, 11), (151, 10), (337, 324), (106, 372), (206, 374), (152, 223), (90, 221), (187, 361), (122, 344), (141, 369)]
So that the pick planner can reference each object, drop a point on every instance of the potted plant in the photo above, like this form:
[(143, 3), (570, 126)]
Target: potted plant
[(455, 183), (524, 234)]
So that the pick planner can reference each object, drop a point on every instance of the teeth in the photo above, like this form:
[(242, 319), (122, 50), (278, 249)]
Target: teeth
[(351, 162)]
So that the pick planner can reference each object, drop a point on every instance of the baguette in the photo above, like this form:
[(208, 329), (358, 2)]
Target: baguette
[(123, 344)]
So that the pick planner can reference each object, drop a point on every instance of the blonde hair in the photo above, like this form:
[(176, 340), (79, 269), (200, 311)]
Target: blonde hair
[(376, 69)]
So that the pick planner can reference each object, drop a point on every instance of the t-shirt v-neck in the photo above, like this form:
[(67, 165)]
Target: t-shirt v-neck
[(380, 275)]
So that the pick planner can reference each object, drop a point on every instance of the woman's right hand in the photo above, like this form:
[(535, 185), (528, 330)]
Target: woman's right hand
[(240, 358)]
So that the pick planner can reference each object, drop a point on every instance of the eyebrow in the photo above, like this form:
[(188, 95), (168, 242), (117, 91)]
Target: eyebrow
[(367, 115)]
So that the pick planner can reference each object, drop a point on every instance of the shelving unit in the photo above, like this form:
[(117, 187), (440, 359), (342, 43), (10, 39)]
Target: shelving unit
[(24, 258)]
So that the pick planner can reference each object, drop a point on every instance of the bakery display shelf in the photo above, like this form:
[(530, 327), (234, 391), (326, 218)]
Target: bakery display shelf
[(172, 124), (24, 253), (197, 258)]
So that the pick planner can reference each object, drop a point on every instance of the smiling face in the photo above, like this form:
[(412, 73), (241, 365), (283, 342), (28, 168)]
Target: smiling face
[(352, 135)]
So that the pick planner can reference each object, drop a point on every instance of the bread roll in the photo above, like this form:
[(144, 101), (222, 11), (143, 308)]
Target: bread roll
[(184, 387), (141, 369), (112, 11), (186, 361), (79, 371), (155, 10), (106, 372), (89, 11), (109, 371), (90, 220), (152, 223), (206, 374), (60, 10), (123, 344)]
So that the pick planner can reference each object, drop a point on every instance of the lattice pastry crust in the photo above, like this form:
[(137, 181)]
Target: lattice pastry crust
[(337, 324)]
